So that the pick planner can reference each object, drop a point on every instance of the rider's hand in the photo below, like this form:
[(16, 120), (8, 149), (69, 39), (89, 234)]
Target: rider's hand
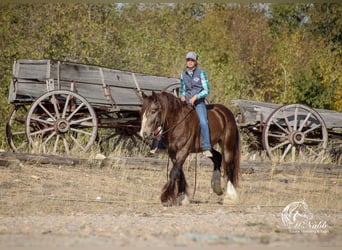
[(193, 99)]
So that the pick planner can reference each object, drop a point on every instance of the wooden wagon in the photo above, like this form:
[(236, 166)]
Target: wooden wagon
[(61, 106), (288, 132)]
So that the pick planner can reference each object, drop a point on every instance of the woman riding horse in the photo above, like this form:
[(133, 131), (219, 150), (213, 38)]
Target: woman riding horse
[(181, 136)]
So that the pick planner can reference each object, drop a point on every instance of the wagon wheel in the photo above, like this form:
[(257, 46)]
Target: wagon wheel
[(123, 137), (60, 121), (122, 140), (15, 129), (293, 131), (172, 88)]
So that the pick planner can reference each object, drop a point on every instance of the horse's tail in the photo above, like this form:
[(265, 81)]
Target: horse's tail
[(236, 159)]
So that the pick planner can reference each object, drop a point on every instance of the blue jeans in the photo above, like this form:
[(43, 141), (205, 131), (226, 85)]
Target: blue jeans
[(202, 114)]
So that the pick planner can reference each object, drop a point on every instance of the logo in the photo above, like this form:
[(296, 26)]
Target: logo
[(196, 79), (298, 218)]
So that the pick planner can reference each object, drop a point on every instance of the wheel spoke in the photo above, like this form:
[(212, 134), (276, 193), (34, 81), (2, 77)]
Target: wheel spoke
[(56, 144), (311, 150), (288, 124), (293, 154), (47, 112), (42, 131), (18, 133), (314, 140), (65, 106), (305, 121), (66, 145), (78, 144), (80, 120), (22, 145), (48, 138), (80, 131), (311, 129), (278, 125), (54, 102), (75, 111), (286, 151), (280, 145), (42, 121), (277, 136), (295, 119)]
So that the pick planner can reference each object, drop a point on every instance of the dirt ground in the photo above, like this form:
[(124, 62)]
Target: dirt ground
[(92, 205)]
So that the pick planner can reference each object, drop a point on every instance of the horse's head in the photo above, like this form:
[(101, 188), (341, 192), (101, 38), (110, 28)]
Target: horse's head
[(150, 113)]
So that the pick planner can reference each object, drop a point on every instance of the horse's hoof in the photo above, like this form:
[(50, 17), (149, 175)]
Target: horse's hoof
[(231, 194), (167, 204), (216, 182), (183, 199)]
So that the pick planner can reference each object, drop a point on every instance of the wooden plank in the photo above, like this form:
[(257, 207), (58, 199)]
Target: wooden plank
[(32, 69), (332, 119), (254, 112), (147, 82), (117, 78)]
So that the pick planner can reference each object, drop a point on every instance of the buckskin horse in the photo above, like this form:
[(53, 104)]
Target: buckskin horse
[(181, 136)]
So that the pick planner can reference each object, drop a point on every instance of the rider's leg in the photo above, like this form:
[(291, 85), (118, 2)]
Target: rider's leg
[(203, 119)]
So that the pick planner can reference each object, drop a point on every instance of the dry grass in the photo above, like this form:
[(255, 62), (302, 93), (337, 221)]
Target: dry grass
[(38, 188), (272, 185), (120, 202)]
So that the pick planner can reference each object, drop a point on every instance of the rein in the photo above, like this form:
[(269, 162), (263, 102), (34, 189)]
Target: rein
[(168, 158), (174, 126)]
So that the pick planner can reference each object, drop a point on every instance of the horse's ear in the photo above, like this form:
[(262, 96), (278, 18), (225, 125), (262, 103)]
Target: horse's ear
[(154, 95), (143, 95)]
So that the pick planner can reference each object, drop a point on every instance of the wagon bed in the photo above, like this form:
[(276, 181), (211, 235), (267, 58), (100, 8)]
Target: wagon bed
[(101, 87), (61, 105), (290, 129)]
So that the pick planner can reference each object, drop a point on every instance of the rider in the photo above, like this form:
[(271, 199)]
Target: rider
[(194, 88)]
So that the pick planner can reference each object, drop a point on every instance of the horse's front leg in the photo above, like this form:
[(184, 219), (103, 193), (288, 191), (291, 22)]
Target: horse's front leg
[(174, 191)]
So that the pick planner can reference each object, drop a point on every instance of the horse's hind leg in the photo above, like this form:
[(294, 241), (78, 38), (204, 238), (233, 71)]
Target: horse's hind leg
[(216, 177), (228, 176)]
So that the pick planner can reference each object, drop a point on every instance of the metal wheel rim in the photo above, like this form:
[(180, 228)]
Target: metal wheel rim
[(47, 115)]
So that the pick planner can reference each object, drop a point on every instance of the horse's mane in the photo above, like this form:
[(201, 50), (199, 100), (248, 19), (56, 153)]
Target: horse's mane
[(171, 105), (170, 101)]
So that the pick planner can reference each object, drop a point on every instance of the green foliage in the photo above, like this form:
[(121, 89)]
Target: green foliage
[(326, 22), (307, 89), (276, 52)]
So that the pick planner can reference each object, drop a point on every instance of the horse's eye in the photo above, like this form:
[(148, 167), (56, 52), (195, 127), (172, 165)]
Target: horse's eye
[(153, 110)]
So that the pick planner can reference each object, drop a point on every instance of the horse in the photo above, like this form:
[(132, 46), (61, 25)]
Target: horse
[(181, 136)]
